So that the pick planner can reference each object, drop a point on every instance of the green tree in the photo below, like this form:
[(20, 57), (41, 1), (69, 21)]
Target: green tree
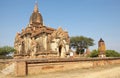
[(6, 50), (80, 43)]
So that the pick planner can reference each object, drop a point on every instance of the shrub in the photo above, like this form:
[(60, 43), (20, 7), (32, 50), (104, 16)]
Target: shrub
[(112, 53), (109, 53), (94, 53)]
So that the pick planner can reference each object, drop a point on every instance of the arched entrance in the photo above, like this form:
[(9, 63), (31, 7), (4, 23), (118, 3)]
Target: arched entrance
[(60, 50)]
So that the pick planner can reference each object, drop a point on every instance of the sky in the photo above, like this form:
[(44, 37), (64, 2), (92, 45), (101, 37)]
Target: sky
[(90, 18)]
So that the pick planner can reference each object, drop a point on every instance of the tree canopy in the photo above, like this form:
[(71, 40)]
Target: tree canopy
[(4, 51), (80, 43)]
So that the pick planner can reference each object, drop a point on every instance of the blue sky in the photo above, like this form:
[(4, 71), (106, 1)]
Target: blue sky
[(91, 18)]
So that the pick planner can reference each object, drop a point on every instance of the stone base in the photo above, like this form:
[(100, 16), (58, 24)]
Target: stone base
[(102, 55)]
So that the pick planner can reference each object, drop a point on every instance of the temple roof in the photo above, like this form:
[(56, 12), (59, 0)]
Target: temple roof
[(101, 40), (36, 17), (36, 27)]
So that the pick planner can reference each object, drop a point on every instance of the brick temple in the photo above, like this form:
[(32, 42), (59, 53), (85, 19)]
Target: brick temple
[(101, 48), (38, 40)]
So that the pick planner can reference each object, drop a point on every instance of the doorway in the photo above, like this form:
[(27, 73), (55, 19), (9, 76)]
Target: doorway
[(60, 49)]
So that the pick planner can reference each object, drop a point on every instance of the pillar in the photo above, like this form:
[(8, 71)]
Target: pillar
[(20, 69)]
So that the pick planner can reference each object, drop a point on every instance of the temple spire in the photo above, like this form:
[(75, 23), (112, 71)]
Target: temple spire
[(36, 17), (36, 7)]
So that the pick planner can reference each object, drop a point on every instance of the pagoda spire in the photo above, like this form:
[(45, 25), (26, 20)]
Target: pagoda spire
[(36, 7), (36, 17)]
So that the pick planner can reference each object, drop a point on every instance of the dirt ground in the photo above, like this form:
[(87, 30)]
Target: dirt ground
[(110, 71)]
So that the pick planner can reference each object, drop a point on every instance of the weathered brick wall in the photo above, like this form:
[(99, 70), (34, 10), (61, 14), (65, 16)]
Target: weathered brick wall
[(52, 67), (21, 68), (26, 67)]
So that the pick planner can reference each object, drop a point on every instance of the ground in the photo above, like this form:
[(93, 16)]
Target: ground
[(109, 71)]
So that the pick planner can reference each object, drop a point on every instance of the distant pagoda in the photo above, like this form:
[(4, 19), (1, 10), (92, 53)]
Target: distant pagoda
[(101, 48)]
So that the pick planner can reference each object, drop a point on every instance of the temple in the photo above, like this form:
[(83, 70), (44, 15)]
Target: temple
[(101, 48), (38, 40)]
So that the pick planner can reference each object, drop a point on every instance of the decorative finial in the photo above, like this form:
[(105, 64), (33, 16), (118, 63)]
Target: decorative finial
[(36, 7), (101, 40)]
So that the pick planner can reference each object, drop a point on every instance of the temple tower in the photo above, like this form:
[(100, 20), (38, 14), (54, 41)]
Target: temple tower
[(101, 48), (36, 17)]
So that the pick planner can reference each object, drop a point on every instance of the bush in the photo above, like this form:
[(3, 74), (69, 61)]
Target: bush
[(109, 53), (94, 53), (112, 53)]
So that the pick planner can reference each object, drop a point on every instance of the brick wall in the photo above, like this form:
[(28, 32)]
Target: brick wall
[(36, 66)]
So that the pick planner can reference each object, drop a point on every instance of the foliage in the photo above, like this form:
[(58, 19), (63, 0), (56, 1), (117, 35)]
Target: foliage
[(94, 53), (79, 51), (80, 43), (6, 50), (112, 53), (109, 53)]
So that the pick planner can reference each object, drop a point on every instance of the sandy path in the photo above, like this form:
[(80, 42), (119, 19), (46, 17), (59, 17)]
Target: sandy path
[(99, 72)]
